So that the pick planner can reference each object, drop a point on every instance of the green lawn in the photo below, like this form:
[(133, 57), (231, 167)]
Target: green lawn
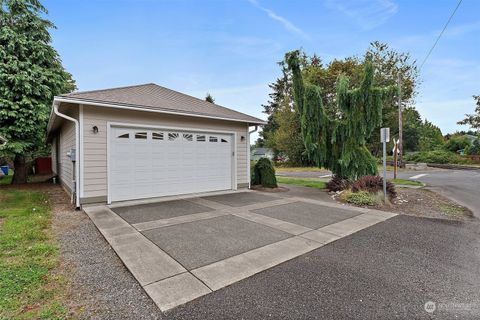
[(306, 182), (299, 169), (28, 255), (406, 182), (7, 179)]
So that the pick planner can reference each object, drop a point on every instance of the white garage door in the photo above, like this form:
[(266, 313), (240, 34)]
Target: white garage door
[(146, 163)]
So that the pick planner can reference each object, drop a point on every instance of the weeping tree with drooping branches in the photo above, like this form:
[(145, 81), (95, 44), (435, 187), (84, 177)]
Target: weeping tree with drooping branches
[(338, 143)]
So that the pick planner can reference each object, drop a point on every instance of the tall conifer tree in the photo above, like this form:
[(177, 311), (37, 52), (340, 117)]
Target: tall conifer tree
[(31, 74), (338, 143)]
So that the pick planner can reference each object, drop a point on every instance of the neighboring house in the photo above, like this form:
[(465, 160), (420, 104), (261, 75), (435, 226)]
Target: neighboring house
[(470, 137), (258, 153), (146, 141)]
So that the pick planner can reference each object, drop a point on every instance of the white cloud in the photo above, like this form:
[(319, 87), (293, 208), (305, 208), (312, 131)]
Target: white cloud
[(285, 22), (369, 14)]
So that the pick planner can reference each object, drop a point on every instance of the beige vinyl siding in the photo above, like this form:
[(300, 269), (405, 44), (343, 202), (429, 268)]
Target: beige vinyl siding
[(95, 145), (53, 153), (65, 134), (67, 142)]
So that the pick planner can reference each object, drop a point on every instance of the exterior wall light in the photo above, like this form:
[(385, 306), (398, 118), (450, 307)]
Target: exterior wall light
[(95, 129)]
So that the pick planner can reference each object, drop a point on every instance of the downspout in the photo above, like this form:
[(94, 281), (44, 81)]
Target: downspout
[(248, 159), (77, 151)]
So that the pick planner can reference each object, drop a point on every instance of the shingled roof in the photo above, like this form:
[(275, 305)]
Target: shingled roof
[(154, 97)]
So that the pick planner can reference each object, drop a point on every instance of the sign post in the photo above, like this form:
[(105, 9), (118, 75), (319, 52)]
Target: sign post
[(384, 138), (395, 158)]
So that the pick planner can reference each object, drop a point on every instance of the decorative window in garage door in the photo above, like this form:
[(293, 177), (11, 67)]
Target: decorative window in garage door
[(124, 136), (201, 138), (188, 137), (140, 135), (172, 136), (157, 135), (213, 139)]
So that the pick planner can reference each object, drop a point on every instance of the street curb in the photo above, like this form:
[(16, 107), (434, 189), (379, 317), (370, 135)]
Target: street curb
[(452, 166)]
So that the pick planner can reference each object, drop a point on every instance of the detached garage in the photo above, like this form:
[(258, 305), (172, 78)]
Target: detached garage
[(146, 141)]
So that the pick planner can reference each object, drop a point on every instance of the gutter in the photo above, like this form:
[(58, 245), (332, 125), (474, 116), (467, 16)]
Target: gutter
[(254, 130), (76, 182)]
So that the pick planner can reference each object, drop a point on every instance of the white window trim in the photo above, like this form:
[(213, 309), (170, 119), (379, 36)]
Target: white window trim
[(111, 124)]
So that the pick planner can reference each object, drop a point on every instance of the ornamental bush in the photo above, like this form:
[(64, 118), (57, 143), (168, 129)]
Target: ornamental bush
[(264, 174), (373, 184), (362, 198), (338, 183)]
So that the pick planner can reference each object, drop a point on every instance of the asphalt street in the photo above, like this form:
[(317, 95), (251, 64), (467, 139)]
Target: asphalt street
[(390, 270), (462, 186)]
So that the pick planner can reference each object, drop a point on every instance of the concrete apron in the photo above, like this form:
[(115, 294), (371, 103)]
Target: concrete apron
[(170, 284)]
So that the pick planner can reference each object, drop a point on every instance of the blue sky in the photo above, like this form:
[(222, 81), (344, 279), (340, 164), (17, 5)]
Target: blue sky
[(230, 48)]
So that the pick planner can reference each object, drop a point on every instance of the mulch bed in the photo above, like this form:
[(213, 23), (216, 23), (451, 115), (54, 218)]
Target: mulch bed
[(424, 203)]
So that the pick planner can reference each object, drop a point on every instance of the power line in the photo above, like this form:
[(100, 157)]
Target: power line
[(440, 35)]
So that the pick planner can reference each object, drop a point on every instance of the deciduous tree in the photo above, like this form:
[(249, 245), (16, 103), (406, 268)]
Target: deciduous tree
[(473, 120)]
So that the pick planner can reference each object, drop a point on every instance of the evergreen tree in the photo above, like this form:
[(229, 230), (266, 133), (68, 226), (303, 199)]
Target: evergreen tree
[(338, 143), (281, 92), (431, 137), (31, 74), (209, 98)]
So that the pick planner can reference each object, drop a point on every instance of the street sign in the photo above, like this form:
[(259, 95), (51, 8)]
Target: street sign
[(385, 135), (395, 146)]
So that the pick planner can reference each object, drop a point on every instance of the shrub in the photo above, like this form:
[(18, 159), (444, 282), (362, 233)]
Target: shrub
[(264, 174), (338, 183), (436, 156), (457, 142), (362, 198), (475, 148), (373, 184)]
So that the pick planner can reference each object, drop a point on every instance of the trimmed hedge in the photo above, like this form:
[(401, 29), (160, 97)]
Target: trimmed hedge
[(436, 156)]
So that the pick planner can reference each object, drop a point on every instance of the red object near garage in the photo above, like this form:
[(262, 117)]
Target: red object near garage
[(43, 165)]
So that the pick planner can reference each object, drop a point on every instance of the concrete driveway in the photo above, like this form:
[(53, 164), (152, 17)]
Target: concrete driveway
[(182, 249)]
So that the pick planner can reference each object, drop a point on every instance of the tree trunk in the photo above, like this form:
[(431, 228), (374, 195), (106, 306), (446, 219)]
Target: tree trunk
[(20, 170)]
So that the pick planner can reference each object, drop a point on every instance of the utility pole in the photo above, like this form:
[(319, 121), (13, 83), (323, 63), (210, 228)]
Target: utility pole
[(400, 122)]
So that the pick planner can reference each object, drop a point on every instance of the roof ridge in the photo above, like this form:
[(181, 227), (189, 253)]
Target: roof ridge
[(110, 89)]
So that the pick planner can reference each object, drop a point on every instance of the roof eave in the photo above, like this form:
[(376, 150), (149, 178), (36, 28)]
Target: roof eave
[(59, 99)]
